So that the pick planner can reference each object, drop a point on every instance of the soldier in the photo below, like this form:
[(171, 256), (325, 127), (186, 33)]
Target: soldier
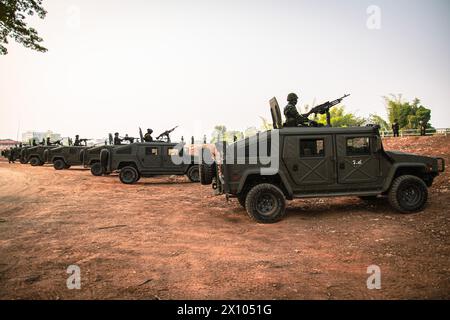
[(11, 156), (293, 118), (148, 136), (34, 143), (395, 128), (48, 141), (77, 141), (117, 140), (423, 128)]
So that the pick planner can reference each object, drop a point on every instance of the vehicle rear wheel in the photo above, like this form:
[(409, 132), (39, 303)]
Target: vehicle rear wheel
[(193, 174), (34, 161), (128, 175), (96, 169), (408, 194), (23, 161), (265, 203), (59, 164)]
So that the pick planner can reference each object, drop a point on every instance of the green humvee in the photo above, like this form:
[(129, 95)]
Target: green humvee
[(63, 157), (91, 158), (34, 154), (137, 160), (317, 162)]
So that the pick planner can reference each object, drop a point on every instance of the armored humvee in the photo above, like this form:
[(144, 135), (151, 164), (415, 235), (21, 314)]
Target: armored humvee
[(34, 154), (91, 158), (137, 160), (316, 162), (63, 157)]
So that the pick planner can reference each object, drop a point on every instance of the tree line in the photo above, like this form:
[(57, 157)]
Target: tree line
[(408, 114)]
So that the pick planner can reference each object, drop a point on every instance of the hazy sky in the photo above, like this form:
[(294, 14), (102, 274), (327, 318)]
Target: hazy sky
[(116, 65)]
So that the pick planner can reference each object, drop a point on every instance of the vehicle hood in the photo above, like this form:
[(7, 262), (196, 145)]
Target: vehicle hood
[(399, 156)]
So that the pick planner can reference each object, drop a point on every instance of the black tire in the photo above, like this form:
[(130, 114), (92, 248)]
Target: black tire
[(67, 166), (265, 203), (207, 168), (81, 156), (129, 175), (193, 173), (34, 161), (104, 158), (59, 164), (408, 194), (45, 156), (23, 161), (96, 169)]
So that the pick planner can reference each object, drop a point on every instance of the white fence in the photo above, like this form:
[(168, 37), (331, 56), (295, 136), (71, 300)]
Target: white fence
[(416, 132)]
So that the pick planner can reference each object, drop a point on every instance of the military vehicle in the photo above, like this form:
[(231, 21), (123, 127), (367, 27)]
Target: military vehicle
[(34, 154), (317, 162), (91, 158), (137, 160), (63, 157)]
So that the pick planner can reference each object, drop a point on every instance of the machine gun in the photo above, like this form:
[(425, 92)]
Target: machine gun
[(129, 139), (80, 141), (166, 135), (324, 108)]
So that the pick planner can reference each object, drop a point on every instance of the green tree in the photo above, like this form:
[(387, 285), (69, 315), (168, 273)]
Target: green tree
[(266, 125), (13, 25), (340, 118), (376, 119), (218, 134), (408, 114)]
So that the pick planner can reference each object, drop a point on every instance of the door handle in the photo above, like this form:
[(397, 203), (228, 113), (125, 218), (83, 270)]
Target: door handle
[(342, 165), (295, 167)]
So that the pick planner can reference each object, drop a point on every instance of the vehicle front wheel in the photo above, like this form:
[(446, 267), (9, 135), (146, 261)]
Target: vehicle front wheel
[(265, 203), (408, 194), (34, 161), (193, 174), (97, 169), (128, 175), (59, 164)]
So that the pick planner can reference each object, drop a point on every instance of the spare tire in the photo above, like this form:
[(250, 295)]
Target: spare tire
[(45, 155), (81, 156), (104, 158)]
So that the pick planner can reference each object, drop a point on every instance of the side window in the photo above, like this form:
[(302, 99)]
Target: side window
[(312, 148), (358, 146), (151, 151), (173, 152)]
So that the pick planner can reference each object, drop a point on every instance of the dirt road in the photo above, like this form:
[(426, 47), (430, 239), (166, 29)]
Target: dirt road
[(167, 238)]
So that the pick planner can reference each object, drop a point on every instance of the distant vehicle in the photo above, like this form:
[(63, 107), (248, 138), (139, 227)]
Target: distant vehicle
[(320, 162), (91, 159), (63, 157), (34, 154), (137, 160)]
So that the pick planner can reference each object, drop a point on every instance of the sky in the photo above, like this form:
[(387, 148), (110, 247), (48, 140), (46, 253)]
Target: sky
[(119, 65)]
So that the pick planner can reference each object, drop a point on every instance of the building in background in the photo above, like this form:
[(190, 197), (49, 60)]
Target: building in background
[(7, 143), (28, 136)]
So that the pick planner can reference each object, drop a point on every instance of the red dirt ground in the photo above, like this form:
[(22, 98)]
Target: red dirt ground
[(166, 238)]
